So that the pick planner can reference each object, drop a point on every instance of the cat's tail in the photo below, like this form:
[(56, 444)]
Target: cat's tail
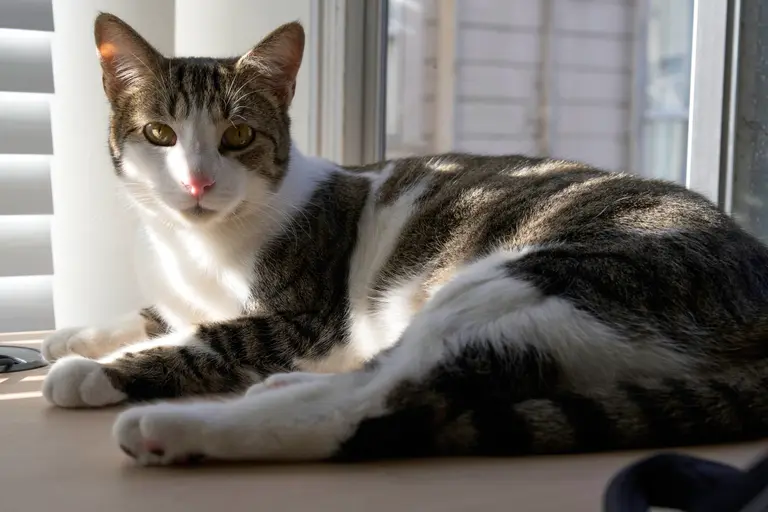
[(651, 413)]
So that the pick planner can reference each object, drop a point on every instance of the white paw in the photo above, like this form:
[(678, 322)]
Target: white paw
[(167, 433), (291, 423), (78, 382), (73, 340), (280, 380)]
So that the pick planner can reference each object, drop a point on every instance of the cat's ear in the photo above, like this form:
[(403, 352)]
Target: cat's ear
[(127, 59), (277, 58)]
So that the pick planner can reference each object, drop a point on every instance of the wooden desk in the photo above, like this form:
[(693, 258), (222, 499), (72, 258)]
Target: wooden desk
[(66, 459)]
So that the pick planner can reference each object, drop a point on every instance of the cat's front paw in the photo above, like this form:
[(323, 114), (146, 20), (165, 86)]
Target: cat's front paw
[(78, 382), (166, 433), (82, 341)]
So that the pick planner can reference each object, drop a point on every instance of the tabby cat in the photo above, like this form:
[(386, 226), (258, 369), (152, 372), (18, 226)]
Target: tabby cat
[(444, 305)]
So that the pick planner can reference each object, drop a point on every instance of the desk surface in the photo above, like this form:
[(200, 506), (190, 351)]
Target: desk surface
[(67, 459)]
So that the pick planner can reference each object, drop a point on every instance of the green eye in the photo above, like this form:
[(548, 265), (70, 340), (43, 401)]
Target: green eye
[(237, 137), (160, 134)]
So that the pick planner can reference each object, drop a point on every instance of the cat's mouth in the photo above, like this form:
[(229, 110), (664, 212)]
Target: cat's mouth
[(198, 212)]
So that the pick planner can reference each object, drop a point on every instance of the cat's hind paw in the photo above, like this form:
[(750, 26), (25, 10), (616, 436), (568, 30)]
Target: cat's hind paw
[(163, 434), (78, 382), (292, 422)]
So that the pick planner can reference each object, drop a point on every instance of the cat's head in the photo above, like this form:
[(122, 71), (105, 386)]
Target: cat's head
[(198, 140)]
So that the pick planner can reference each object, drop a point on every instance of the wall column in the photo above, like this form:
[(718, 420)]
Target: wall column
[(93, 232)]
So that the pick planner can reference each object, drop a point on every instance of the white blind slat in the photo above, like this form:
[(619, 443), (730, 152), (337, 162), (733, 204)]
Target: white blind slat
[(25, 124), (27, 14), (25, 61), (26, 303), (26, 245), (26, 87), (25, 185)]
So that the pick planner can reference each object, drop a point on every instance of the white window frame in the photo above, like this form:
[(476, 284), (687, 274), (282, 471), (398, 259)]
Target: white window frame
[(710, 122), (350, 127)]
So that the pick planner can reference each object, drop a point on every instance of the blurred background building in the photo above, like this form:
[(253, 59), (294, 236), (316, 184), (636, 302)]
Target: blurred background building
[(603, 81)]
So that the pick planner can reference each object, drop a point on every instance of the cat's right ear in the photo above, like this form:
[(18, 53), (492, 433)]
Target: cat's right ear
[(277, 59), (127, 59)]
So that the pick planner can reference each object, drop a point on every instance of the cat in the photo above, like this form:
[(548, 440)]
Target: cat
[(442, 305)]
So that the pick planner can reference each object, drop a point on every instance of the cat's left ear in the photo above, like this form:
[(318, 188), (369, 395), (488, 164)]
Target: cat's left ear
[(277, 58)]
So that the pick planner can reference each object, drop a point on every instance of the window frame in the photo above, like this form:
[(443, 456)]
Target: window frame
[(710, 125), (351, 125)]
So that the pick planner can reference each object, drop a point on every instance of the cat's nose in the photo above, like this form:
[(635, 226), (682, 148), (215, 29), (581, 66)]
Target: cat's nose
[(198, 185)]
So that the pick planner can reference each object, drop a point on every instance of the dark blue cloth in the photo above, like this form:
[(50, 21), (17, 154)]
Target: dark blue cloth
[(689, 484)]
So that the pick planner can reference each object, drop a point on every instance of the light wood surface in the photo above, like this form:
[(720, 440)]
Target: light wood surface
[(64, 459)]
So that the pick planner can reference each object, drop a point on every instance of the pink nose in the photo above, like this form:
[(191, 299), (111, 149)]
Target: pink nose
[(198, 185)]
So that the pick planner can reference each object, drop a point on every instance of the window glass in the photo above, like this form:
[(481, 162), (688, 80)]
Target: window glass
[(602, 81)]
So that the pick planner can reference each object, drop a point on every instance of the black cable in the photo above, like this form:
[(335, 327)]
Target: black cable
[(689, 484)]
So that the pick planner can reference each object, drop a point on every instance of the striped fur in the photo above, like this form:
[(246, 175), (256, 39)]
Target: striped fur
[(429, 306)]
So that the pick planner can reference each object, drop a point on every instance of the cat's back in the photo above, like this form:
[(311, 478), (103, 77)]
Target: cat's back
[(428, 217), (491, 201)]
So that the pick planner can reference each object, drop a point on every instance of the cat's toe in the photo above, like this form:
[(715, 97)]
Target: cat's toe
[(78, 382), (70, 341), (57, 344), (164, 433), (129, 436)]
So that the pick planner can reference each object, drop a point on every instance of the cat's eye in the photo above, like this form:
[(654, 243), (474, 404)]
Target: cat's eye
[(160, 134), (237, 137)]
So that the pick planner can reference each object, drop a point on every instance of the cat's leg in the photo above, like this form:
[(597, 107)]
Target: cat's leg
[(406, 390), (489, 367), (95, 342), (213, 359)]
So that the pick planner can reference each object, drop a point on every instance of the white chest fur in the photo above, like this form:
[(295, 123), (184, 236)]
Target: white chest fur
[(197, 277)]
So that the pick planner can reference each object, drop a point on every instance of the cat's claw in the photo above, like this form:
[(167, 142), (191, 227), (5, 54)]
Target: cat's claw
[(75, 381)]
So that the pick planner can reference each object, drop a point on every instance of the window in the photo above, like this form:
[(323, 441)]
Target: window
[(408, 76), (604, 81), (665, 89), (666, 69)]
